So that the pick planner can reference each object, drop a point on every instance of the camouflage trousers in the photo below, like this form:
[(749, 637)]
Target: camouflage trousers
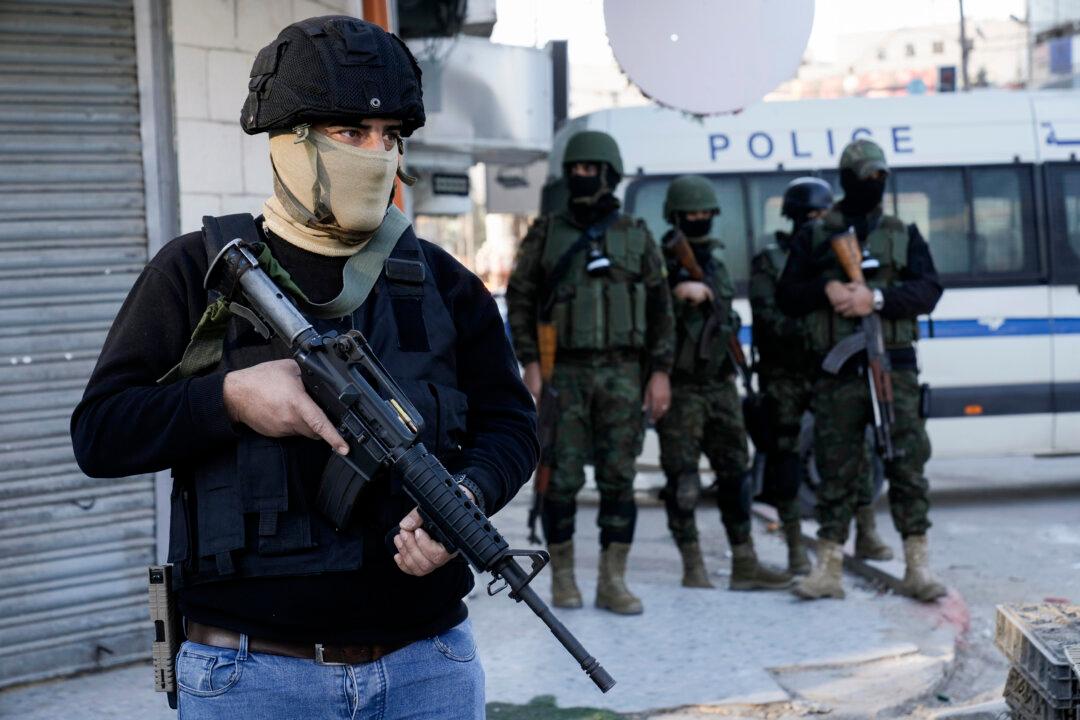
[(789, 395), (842, 411), (600, 422), (705, 418)]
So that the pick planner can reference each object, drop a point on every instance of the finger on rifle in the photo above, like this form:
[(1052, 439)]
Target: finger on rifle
[(411, 521), (414, 556), (432, 550), (316, 421)]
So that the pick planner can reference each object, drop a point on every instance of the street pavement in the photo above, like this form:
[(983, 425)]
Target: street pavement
[(691, 652)]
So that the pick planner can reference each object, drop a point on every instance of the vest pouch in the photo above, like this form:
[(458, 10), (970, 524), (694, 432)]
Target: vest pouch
[(452, 411), (219, 514), (263, 474), (585, 327), (179, 524), (620, 315)]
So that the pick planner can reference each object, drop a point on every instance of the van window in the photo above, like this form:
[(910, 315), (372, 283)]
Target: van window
[(933, 200), (1004, 239), (1064, 201)]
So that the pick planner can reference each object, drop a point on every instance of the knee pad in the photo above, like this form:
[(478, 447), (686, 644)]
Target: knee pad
[(687, 491)]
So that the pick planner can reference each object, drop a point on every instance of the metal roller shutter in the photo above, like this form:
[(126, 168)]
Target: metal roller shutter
[(73, 550)]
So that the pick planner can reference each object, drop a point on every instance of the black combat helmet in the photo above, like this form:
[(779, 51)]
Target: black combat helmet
[(333, 67), (804, 195)]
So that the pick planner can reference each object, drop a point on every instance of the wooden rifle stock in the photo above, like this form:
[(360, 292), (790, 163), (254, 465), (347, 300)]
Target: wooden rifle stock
[(680, 247), (846, 248)]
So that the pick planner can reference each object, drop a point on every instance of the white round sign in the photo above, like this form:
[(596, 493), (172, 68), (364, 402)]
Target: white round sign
[(708, 56)]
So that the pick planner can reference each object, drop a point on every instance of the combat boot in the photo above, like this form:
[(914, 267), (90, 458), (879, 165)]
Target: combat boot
[(611, 591), (826, 579), (749, 574), (868, 544), (797, 559), (564, 591), (919, 582), (694, 574)]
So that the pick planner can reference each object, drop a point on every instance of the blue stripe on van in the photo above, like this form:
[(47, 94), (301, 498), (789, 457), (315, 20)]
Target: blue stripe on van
[(981, 328)]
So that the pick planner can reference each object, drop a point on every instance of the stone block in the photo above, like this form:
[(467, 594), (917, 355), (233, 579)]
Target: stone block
[(259, 22), (209, 158), (242, 204), (313, 8), (258, 175), (228, 70), (192, 208), (204, 23), (190, 83)]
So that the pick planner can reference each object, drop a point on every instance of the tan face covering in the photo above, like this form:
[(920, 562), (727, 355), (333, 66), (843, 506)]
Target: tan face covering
[(329, 197)]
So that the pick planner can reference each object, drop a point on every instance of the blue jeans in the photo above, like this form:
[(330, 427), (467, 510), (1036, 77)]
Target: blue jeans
[(440, 677)]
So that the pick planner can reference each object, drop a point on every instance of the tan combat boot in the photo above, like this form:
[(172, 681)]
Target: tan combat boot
[(797, 559), (748, 574), (919, 582), (564, 591), (693, 573), (868, 544), (611, 591), (826, 579)]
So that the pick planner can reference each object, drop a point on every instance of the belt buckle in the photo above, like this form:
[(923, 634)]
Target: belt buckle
[(319, 659)]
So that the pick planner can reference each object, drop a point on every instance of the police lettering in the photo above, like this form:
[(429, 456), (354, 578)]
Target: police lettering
[(762, 145)]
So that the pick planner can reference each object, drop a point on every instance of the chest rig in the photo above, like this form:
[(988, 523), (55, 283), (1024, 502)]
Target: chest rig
[(246, 509), (594, 312)]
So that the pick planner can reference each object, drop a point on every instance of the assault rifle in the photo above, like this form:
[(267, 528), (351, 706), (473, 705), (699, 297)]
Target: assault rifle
[(871, 340), (382, 427)]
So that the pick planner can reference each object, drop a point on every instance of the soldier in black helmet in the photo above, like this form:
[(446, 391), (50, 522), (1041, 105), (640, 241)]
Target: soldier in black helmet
[(786, 371), (286, 615)]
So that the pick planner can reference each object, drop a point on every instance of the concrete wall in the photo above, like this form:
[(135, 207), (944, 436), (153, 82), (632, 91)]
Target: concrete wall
[(222, 169)]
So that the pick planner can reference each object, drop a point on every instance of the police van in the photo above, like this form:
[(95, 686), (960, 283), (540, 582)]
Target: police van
[(991, 179)]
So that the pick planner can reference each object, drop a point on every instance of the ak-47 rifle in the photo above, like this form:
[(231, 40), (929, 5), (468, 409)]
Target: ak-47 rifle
[(870, 339), (546, 425), (382, 428), (679, 246)]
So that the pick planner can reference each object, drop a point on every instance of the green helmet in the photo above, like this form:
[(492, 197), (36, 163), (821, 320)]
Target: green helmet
[(593, 146), (689, 193), (863, 157)]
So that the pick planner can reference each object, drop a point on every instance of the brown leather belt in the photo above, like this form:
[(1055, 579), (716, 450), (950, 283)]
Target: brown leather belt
[(321, 653)]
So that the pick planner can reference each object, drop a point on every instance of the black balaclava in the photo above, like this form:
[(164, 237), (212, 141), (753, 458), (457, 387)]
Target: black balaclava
[(591, 198), (695, 228), (861, 196)]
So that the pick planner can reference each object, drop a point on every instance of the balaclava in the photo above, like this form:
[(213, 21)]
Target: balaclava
[(329, 197)]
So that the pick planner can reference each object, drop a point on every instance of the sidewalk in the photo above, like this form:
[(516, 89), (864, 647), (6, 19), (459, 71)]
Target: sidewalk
[(692, 650)]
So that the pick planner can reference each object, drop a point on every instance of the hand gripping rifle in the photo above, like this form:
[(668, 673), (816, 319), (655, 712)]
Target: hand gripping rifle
[(381, 426), (870, 339)]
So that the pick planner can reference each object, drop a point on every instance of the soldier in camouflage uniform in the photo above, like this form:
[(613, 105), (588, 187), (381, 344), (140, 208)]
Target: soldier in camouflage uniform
[(610, 307), (786, 371), (902, 284), (705, 413)]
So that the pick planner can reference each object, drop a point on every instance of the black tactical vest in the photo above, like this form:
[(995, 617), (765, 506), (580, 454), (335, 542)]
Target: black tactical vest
[(247, 510)]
